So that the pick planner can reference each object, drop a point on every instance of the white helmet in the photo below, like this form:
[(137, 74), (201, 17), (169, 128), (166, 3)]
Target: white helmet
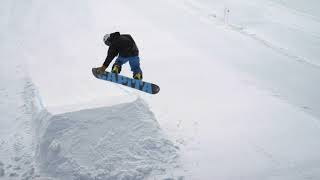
[(105, 39)]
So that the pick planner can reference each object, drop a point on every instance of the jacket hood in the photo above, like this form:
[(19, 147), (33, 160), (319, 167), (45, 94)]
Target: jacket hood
[(114, 35)]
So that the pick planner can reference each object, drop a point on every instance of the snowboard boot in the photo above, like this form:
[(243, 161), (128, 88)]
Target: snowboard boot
[(137, 76), (116, 69)]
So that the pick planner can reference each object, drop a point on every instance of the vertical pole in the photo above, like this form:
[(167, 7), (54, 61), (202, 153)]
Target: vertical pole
[(226, 15)]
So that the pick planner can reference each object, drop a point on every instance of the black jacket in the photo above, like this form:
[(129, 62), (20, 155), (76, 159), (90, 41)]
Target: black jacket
[(122, 45)]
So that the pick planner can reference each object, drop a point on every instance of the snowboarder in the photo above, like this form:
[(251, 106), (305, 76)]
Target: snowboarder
[(123, 46)]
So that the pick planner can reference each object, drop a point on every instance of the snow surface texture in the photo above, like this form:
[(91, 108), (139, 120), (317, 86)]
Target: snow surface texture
[(19, 104), (117, 142), (246, 105)]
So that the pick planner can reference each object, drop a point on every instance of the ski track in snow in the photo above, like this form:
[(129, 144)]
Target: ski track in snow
[(203, 12), (272, 46), (211, 16)]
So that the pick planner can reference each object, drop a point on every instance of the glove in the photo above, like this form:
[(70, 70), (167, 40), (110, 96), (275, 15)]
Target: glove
[(101, 69)]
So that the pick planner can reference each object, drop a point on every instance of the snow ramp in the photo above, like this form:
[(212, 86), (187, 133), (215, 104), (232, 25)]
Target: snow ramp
[(122, 141)]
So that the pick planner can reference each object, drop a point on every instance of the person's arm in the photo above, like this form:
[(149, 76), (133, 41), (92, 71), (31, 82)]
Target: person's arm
[(112, 53)]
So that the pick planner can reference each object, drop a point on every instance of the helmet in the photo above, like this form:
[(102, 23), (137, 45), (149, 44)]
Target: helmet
[(106, 39), (110, 37)]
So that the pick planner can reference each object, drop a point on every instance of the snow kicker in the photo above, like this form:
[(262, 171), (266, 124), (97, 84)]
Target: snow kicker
[(117, 142)]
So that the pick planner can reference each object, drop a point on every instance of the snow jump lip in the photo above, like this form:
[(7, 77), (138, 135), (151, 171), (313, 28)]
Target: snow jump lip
[(126, 81), (109, 142)]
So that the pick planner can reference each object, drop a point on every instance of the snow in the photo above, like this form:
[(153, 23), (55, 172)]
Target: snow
[(18, 106), (117, 142), (239, 95)]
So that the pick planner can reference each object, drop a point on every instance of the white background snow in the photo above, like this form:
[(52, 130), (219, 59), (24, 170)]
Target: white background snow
[(239, 92)]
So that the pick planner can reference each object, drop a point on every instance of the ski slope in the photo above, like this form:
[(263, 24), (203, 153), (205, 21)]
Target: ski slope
[(239, 95)]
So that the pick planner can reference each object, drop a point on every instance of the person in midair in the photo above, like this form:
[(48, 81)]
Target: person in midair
[(123, 46)]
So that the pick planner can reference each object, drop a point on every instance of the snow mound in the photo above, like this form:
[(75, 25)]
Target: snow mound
[(118, 142)]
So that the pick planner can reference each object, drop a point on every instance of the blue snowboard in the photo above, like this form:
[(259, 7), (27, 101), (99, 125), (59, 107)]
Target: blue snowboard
[(126, 81)]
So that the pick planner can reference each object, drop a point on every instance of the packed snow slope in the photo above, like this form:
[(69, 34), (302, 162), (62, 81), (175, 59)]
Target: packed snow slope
[(117, 142), (238, 89)]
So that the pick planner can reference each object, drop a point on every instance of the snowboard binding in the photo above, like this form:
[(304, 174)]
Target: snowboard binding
[(116, 69)]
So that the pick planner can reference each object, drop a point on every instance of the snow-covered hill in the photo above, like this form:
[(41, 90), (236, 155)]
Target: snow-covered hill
[(239, 95)]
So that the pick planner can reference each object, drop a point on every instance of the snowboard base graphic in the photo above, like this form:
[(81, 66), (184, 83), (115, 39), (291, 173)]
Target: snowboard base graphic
[(126, 81)]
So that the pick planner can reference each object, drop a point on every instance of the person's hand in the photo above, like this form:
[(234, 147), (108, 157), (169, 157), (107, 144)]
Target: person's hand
[(101, 69)]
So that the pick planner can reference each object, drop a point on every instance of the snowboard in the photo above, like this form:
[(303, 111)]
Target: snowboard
[(126, 81)]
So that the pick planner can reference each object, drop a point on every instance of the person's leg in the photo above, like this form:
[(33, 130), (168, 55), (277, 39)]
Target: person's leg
[(135, 67), (116, 67)]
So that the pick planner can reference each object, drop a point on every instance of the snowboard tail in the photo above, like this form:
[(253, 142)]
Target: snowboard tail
[(126, 81)]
